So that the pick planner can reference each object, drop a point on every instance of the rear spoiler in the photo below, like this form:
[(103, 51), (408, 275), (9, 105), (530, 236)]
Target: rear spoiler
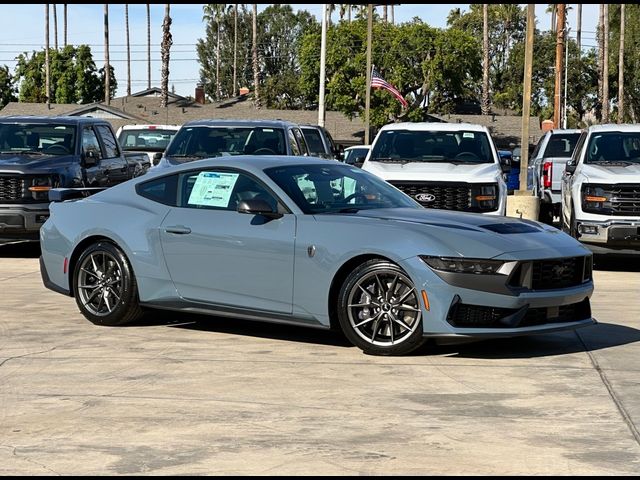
[(64, 194)]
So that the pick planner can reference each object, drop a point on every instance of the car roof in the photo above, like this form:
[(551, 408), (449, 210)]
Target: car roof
[(435, 126), (240, 123), (150, 126), (357, 146), (614, 127), (61, 120)]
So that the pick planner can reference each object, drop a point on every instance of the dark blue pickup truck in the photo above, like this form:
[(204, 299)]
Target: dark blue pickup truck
[(41, 153)]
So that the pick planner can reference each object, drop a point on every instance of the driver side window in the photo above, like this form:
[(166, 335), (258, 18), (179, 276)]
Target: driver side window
[(90, 143)]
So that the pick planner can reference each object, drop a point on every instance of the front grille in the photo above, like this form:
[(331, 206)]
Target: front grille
[(477, 316), (451, 196), (625, 199), (557, 273), (11, 188)]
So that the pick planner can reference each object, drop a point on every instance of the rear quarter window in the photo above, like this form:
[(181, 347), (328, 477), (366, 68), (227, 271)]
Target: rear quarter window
[(162, 190)]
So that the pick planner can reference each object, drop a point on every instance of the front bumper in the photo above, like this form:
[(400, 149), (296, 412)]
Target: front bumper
[(610, 234), (22, 221)]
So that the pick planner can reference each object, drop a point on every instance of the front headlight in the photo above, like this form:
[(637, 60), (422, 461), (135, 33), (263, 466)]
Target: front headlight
[(484, 198), (596, 199), (469, 265)]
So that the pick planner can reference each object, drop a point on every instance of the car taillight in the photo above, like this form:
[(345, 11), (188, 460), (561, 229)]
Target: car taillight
[(547, 170)]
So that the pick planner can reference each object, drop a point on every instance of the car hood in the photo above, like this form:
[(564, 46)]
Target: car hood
[(423, 171), (471, 234), (612, 174), (31, 163)]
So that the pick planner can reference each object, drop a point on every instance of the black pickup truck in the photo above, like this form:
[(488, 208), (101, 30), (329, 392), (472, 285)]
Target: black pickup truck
[(41, 153)]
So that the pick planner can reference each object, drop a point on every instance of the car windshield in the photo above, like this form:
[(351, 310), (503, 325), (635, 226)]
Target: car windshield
[(147, 140), (202, 142), (314, 142), (403, 146), (37, 138), (337, 188), (351, 154), (614, 147), (561, 145)]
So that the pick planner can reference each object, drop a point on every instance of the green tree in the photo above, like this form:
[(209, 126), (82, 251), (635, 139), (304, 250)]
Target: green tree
[(7, 87)]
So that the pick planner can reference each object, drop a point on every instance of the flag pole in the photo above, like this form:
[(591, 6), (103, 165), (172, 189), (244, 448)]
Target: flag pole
[(367, 103)]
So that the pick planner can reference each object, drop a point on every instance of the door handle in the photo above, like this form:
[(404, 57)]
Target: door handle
[(178, 230)]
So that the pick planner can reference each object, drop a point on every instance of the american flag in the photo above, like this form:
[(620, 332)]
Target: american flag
[(378, 82)]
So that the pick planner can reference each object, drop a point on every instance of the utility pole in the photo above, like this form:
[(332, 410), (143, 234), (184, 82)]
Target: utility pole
[(323, 65), (367, 103), (526, 96), (605, 67), (559, 62), (621, 68), (47, 68), (566, 71)]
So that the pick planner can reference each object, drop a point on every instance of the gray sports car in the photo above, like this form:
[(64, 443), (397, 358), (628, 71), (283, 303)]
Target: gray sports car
[(311, 242)]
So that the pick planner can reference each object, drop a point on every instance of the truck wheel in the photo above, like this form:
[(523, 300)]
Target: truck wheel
[(546, 213), (104, 286)]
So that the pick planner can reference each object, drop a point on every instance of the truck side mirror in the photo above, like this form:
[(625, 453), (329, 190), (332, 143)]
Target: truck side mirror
[(90, 158), (358, 162), (505, 165), (570, 166), (156, 158)]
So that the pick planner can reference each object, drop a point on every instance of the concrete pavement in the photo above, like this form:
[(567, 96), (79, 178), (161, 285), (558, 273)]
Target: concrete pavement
[(182, 395)]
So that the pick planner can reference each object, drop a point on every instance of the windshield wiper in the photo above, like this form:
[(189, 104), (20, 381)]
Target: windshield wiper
[(390, 160), (186, 156), (30, 152)]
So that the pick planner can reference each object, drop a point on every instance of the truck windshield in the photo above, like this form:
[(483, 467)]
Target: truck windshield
[(202, 142), (614, 147), (403, 146), (561, 145), (146, 140), (314, 142), (37, 138)]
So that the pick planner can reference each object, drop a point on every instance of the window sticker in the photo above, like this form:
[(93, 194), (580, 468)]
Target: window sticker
[(213, 189), (468, 135)]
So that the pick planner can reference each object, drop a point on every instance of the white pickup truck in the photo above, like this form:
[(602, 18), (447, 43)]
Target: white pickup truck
[(451, 166), (552, 152), (601, 190)]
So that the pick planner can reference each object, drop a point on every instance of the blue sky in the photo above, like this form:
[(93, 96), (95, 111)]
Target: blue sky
[(22, 29)]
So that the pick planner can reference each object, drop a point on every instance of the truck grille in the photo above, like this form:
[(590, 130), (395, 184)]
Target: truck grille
[(625, 199), (11, 189), (452, 196)]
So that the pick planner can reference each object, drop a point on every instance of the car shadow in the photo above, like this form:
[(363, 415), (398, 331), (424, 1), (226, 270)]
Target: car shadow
[(593, 338), (596, 337), (20, 249), (242, 327), (614, 263)]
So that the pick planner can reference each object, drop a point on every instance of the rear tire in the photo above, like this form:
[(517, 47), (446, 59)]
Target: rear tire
[(105, 287), (379, 309)]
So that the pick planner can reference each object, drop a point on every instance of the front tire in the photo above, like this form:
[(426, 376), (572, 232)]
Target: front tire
[(379, 309), (104, 286)]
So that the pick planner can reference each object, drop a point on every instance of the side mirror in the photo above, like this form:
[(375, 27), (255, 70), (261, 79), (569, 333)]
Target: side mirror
[(505, 165), (257, 206), (156, 158), (358, 162), (570, 167), (90, 158)]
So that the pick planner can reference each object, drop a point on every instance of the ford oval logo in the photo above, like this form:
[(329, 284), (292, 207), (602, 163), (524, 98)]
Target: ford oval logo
[(425, 197)]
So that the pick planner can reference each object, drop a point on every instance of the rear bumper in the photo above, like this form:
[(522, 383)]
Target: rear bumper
[(47, 281)]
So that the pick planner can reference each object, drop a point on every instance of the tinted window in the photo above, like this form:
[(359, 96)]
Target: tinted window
[(614, 147), (220, 190), (51, 139), (314, 141), (90, 142), (162, 190), (195, 142), (432, 146), (295, 149), (110, 144), (561, 145), (301, 141), (352, 154), (146, 139), (336, 188)]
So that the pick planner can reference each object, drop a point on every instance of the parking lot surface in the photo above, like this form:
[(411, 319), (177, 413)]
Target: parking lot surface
[(191, 395)]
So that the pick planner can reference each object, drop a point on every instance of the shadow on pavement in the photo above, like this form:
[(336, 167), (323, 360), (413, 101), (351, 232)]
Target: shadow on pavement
[(614, 263), (20, 249)]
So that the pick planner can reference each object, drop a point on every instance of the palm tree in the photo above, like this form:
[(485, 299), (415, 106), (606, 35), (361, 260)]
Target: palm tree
[(213, 12), (600, 36), (392, 20), (148, 47), (235, 50), (126, 22), (384, 13), (55, 27), (46, 55), (605, 67), (621, 68), (65, 24), (343, 10), (107, 68), (485, 59), (579, 27), (254, 51), (167, 41)]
